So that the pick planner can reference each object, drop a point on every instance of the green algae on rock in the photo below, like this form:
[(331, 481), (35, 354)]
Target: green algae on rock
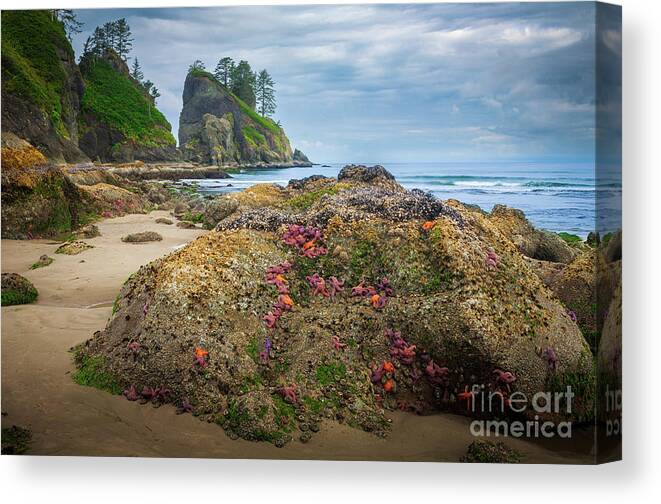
[(17, 290), (428, 298)]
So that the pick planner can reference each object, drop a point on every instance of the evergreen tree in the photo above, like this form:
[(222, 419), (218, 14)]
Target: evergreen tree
[(123, 41), (87, 47), (154, 93), (224, 70), (243, 83), (265, 93), (68, 19), (99, 42), (110, 35), (196, 65), (136, 71)]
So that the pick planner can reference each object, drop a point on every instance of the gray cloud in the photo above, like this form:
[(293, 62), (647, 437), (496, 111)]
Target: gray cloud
[(395, 82)]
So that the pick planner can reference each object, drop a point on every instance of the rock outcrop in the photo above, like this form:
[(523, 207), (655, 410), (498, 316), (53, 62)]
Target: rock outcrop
[(339, 298), (73, 113), (533, 243), (42, 86), (216, 127)]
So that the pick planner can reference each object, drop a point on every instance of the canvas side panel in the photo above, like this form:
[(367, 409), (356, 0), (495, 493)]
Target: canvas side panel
[(608, 201)]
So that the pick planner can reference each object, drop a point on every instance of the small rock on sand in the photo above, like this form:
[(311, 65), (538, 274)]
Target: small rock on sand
[(145, 236), (73, 248), (186, 225), (163, 220), (17, 290), (43, 261), (89, 231)]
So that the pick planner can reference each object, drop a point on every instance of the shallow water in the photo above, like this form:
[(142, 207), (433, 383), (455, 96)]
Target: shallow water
[(554, 196)]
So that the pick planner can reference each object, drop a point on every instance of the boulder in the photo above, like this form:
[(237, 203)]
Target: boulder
[(421, 301), (17, 290), (186, 225), (73, 248), (145, 236), (89, 231), (163, 220), (218, 209)]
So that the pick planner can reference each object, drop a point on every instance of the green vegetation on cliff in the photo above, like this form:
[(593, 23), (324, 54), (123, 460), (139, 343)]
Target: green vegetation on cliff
[(32, 42), (119, 102), (264, 122)]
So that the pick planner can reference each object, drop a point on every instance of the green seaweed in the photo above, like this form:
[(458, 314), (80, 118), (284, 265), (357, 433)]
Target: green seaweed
[(91, 373), (11, 297)]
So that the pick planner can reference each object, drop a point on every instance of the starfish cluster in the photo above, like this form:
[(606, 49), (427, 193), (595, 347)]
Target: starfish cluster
[(378, 296), (384, 375), (400, 349), (275, 275), (201, 357), (437, 375), (307, 240), (158, 395), (325, 288)]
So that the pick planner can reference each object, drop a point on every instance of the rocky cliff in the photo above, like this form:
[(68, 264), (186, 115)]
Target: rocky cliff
[(120, 120), (216, 127), (41, 84), (73, 113)]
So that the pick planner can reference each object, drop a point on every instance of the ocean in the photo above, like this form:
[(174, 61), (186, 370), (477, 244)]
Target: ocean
[(554, 196)]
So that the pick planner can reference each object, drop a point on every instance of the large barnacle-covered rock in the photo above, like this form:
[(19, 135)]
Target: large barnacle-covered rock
[(340, 299)]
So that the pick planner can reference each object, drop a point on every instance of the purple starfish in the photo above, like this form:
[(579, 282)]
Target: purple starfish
[(336, 285), (551, 358), (492, 260), (572, 315), (134, 347), (131, 394), (186, 407)]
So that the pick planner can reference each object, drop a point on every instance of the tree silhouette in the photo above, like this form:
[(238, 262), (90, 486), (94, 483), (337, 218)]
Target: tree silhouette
[(265, 94), (224, 70)]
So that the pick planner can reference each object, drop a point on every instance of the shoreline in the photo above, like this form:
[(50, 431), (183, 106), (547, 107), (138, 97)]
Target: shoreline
[(76, 296)]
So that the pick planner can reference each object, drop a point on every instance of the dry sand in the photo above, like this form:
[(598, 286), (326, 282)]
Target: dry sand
[(76, 294)]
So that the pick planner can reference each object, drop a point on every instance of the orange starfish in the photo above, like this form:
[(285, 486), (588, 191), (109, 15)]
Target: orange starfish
[(281, 278), (308, 245), (375, 300), (388, 367), (201, 352), (466, 396), (389, 385), (428, 225), (287, 300)]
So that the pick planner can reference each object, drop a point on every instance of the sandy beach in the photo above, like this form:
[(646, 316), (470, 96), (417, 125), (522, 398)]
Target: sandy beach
[(76, 294)]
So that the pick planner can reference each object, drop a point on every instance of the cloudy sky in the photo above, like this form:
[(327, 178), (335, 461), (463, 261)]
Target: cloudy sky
[(394, 83)]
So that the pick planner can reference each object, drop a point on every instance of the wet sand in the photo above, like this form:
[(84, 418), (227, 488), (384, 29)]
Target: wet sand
[(76, 294)]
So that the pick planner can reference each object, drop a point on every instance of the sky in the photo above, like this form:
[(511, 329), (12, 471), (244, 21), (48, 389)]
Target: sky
[(394, 83)]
